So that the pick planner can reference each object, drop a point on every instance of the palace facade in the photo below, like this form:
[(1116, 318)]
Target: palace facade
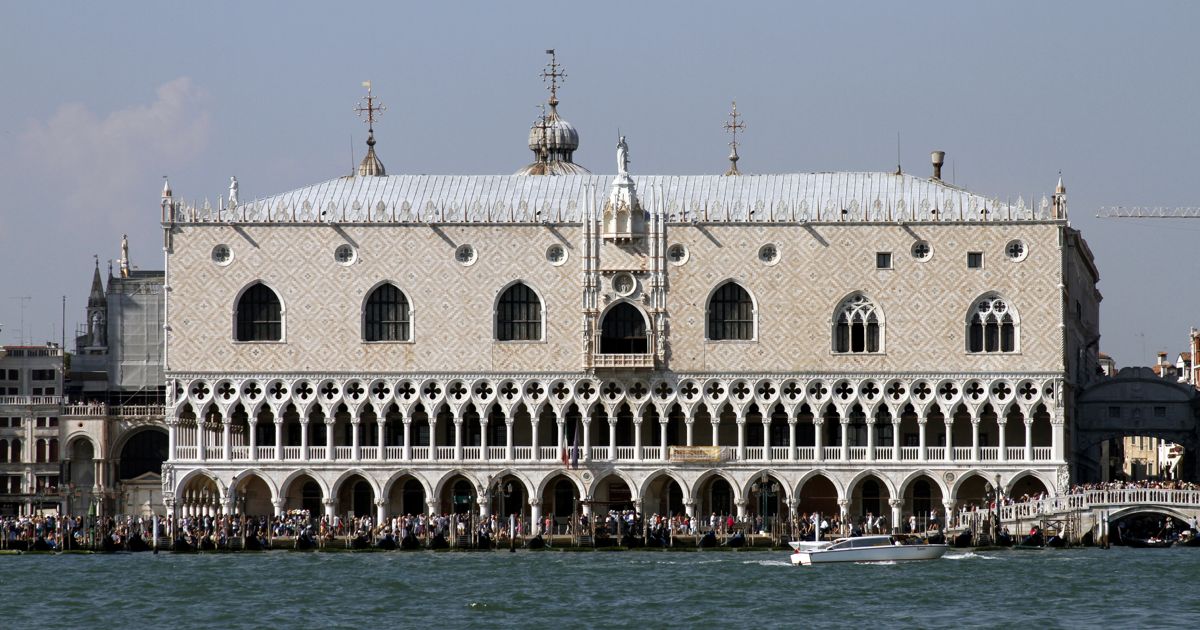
[(835, 342)]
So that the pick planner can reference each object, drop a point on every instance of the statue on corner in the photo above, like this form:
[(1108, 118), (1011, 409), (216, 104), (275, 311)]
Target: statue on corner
[(622, 157)]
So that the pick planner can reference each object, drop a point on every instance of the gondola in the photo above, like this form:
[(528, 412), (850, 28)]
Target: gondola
[(537, 542), (108, 545), (254, 543), (1188, 541), (1035, 540), (387, 543), (736, 541), (707, 540), (410, 542), (361, 541), (937, 538), (1005, 540), (41, 545), (629, 541), (136, 543), (1056, 542), (964, 540), (183, 546), (208, 544), (439, 542), (305, 542)]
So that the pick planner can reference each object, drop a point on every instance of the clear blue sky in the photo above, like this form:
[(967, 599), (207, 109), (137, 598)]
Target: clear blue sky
[(102, 99)]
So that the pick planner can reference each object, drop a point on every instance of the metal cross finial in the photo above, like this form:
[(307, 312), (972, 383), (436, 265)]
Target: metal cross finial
[(554, 74), (543, 125), (734, 126), (372, 109)]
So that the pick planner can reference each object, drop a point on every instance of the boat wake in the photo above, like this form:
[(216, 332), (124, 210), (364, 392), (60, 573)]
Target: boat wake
[(970, 555), (768, 563)]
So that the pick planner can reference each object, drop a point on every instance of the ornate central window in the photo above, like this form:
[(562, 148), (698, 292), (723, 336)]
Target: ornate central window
[(623, 331), (991, 326), (858, 326), (519, 314), (259, 315), (730, 314), (386, 315)]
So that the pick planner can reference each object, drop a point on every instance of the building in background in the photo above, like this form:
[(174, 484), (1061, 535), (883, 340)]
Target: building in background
[(31, 390)]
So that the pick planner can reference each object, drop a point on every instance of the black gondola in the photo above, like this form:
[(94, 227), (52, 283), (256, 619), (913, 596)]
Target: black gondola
[(254, 543), (305, 542), (361, 541), (108, 545), (1056, 542), (183, 546), (1005, 540), (537, 542), (439, 542), (1035, 540), (707, 540), (631, 542), (208, 544), (41, 545), (387, 543), (1147, 543), (736, 541), (410, 542), (963, 540)]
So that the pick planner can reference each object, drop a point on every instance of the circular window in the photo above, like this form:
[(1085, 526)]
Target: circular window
[(556, 255), (1016, 250), (623, 283), (768, 254), (677, 254), (465, 255), (345, 255), (922, 251), (222, 255)]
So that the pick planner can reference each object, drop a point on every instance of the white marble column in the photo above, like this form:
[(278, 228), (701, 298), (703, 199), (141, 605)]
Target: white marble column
[(329, 422), (587, 439), (380, 435), (716, 427), (637, 440), (975, 421), (896, 438), (662, 437), (766, 425), (1003, 440), (1028, 439), (483, 437), (328, 508), (819, 438), (172, 429), (303, 437), (1056, 438), (433, 453), (845, 426), (741, 436), (458, 436), (922, 438), (226, 439), (612, 438), (689, 425), (897, 515), (792, 438), (253, 424), (535, 517), (279, 438), (380, 511), (509, 444), (870, 438), (536, 448), (355, 427), (949, 422)]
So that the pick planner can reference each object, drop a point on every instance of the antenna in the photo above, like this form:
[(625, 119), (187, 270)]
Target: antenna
[(898, 171), (22, 300)]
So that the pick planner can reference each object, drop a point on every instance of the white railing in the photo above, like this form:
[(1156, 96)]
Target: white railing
[(780, 452), (989, 453), (185, 452), (1016, 453), (471, 453), (550, 453), (935, 453), (393, 452), (910, 453), (97, 410), (832, 453), (1094, 498), (962, 453), (291, 452), (498, 452), (445, 452), (652, 453), (599, 453), (523, 453), (30, 400), (266, 452), (343, 452), (883, 452), (240, 452), (368, 453), (1042, 453), (858, 453), (622, 360), (213, 452), (626, 453), (754, 453), (806, 453), (420, 453)]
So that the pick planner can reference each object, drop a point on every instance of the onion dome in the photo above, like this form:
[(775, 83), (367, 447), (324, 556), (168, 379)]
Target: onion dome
[(370, 165), (552, 139)]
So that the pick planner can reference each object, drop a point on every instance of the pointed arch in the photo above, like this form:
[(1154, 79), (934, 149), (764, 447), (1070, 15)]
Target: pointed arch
[(731, 313), (520, 313), (386, 314), (858, 325), (258, 314), (993, 325), (624, 329)]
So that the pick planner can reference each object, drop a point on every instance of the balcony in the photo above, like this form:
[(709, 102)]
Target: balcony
[(989, 453), (523, 453), (30, 400), (1016, 453), (910, 453), (266, 452), (1042, 453), (549, 453), (779, 452), (497, 452), (962, 453), (622, 361), (806, 453)]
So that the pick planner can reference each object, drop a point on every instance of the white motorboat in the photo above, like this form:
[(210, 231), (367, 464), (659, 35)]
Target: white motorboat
[(863, 549)]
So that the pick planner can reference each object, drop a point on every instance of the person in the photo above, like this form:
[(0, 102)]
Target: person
[(912, 523)]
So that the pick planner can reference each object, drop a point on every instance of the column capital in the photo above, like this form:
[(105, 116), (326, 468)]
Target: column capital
[(278, 503), (380, 502), (535, 502), (843, 503), (327, 502), (896, 503)]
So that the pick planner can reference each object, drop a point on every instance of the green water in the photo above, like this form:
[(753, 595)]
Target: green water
[(1117, 588)]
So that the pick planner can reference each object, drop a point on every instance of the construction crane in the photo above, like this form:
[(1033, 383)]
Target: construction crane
[(1140, 212)]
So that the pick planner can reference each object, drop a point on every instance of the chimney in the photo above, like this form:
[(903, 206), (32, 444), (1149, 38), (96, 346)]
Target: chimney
[(939, 158), (1162, 358)]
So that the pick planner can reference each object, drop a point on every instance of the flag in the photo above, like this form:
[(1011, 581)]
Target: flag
[(367, 84), (562, 448)]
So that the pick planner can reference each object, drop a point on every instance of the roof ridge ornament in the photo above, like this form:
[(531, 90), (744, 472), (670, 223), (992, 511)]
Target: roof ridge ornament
[(733, 126), (370, 164), (553, 74)]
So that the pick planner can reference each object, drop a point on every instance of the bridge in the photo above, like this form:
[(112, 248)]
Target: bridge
[(1087, 512)]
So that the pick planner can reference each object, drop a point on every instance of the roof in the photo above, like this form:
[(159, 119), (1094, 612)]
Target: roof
[(848, 196)]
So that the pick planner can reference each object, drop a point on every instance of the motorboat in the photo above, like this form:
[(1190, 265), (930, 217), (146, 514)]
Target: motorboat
[(863, 549)]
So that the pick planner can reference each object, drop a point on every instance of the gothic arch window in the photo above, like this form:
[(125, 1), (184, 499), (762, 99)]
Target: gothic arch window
[(259, 315), (730, 314), (519, 314), (623, 331), (386, 315), (992, 325), (857, 326)]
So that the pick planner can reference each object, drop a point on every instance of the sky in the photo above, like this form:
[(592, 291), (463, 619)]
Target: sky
[(100, 100)]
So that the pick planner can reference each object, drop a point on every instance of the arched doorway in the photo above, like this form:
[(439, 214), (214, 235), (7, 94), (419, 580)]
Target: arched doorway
[(252, 497), (560, 500), (612, 493), (508, 496), (766, 500), (459, 496), (1027, 487), (304, 493), (974, 491), (356, 497), (716, 497), (664, 496), (818, 495), (407, 497), (922, 496), (869, 500), (81, 475), (140, 472), (623, 331), (199, 496)]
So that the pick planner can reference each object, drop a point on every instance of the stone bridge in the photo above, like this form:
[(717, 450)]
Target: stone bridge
[(1136, 402)]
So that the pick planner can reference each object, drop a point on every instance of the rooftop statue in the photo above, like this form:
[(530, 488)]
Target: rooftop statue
[(622, 157)]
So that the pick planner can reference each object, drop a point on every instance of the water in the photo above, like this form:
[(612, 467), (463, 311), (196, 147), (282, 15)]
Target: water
[(1123, 588)]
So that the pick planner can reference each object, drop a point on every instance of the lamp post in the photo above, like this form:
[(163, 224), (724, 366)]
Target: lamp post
[(996, 523)]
